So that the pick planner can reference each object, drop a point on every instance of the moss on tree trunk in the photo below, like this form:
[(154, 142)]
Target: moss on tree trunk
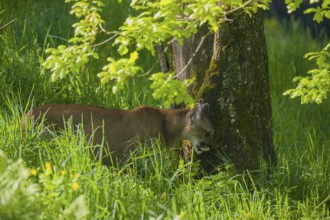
[(231, 72)]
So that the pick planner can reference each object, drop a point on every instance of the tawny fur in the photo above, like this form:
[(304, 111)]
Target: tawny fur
[(121, 130)]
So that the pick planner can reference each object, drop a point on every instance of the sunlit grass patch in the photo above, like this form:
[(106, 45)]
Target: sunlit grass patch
[(38, 194)]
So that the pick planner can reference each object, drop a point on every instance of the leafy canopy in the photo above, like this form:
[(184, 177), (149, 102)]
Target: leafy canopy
[(156, 23), (315, 86)]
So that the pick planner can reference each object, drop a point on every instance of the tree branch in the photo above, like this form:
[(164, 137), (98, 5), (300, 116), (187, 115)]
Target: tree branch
[(105, 41), (164, 65)]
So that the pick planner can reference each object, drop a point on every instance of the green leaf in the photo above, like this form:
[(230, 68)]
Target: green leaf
[(315, 86), (170, 90)]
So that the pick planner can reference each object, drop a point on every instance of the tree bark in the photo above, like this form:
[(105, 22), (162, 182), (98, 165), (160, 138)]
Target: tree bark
[(231, 72)]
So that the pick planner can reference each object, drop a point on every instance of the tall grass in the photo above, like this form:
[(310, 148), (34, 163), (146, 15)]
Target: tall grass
[(301, 131), (152, 184), (57, 178)]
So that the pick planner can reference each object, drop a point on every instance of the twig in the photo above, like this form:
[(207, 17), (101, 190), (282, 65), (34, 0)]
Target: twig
[(238, 8), (105, 31), (192, 57), (107, 40), (150, 69), (12, 21), (115, 34)]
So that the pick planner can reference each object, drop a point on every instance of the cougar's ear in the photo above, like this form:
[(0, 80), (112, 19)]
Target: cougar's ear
[(205, 108), (196, 112)]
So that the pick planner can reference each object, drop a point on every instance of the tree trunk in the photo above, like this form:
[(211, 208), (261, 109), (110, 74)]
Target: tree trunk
[(231, 72)]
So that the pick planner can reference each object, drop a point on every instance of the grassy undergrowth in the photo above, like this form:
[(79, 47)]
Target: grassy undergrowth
[(58, 179)]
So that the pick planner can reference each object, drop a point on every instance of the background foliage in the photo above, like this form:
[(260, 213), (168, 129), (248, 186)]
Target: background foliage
[(155, 23), (316, 86)]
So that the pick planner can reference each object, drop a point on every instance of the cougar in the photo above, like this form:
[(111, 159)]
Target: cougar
[(120, 130)]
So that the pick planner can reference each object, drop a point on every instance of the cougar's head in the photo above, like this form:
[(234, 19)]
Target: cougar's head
[(198, 129)]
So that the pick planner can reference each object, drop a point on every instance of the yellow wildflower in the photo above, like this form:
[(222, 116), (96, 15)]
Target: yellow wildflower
[(48, 167), (77, 175), (75, 186), (63, 172), (34, 172)]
